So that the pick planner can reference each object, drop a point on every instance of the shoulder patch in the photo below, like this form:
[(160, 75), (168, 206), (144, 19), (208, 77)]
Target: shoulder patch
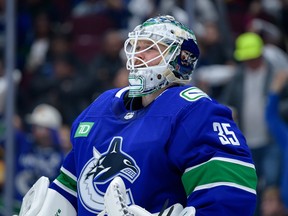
[(83, 129), (193, 94)]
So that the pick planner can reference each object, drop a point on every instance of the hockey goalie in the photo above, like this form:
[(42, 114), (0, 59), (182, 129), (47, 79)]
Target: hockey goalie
[(159, 146)]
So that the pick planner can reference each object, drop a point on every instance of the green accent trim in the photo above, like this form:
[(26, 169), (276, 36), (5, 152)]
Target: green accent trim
[(219, 171), (67, 181)]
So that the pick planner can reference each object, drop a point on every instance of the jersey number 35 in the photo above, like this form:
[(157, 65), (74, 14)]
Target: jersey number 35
[(226, 136)]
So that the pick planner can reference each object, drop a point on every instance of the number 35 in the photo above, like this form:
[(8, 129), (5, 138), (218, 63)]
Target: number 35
[(226, 136)]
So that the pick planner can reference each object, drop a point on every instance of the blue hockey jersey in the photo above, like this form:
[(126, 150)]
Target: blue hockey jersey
[(184, 147)]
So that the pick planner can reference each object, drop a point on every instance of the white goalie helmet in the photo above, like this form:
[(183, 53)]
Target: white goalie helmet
[(178, 59)]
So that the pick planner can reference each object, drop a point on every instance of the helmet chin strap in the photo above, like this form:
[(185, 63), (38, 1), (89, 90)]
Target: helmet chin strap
[(171, 78)]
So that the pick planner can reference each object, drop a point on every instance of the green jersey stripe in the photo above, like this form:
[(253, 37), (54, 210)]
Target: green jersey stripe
[(68, 173), (219, 170), (67, 183)]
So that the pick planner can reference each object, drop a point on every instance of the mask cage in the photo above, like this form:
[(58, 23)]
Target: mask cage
[(167, 55)]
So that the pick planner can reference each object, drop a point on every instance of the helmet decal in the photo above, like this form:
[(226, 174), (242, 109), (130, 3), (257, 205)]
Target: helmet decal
[(169, 20)]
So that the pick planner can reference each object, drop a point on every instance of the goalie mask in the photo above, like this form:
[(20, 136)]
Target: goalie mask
[(177, 59)]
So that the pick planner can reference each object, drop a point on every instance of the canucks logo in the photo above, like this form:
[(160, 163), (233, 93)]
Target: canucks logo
[(193, 94), (99, 171)]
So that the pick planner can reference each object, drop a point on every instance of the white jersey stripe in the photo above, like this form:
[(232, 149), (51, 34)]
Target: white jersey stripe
[(65, 188), (217, 184), (230, 160)]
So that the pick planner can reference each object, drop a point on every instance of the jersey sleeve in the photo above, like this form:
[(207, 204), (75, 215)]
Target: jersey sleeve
[(66, 182), (218, 173), (276, 124)]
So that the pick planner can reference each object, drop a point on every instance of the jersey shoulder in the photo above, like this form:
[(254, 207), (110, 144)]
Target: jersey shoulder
[(185, 95), (189, 100), (192, 94), (177, 98)]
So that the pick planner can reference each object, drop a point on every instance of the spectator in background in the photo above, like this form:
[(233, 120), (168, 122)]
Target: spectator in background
[(212, 45), (114, 10), (215, 60), (273, 48), (118, 12), (59, 48), (65, 88), (88, 7), (279, 128), (65, 143), (36, 43), (241, 12), (38, 149), (204, 10), (247, 93), (40, 44), (105, 65), (273, 38), (272, 204), (27, 12)]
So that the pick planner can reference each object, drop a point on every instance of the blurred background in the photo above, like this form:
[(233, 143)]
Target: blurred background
[(66, 52)]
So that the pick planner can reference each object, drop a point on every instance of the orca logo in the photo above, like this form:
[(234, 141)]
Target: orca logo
[(100, 170)]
